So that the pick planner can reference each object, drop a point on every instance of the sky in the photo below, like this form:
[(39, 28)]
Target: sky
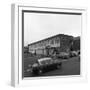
[(38, 26)]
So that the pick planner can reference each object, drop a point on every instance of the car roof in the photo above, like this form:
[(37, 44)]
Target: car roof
[(44, 59)]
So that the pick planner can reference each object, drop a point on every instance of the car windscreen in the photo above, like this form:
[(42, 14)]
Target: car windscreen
[(49, 61)]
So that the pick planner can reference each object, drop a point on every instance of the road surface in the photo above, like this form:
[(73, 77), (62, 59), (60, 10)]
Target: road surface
[(69, 67)]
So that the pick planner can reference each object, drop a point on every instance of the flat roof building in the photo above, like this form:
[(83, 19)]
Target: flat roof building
[(51, 45)]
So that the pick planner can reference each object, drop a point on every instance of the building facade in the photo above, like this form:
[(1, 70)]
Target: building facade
[(76, 44), (51, 45)]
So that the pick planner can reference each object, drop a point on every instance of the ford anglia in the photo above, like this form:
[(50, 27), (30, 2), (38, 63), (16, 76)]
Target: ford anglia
[(44, 65)]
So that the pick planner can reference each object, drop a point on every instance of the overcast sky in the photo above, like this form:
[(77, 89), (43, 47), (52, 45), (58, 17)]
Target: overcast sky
[(40, 26)]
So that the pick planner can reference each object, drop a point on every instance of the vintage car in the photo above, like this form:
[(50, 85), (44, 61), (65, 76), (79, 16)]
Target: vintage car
[(45, 64), (63, 55), (74, 53)]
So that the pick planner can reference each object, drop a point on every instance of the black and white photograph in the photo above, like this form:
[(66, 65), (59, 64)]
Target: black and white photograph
[(51, 43)]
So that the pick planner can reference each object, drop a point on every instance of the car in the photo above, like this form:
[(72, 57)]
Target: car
[(78, 51), (63, 55), (74, 53), (45, 64)]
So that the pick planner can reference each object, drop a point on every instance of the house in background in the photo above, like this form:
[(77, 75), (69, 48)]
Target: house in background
[(52, 45)]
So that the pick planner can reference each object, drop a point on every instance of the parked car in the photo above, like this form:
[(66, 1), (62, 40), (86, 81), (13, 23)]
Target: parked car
[(74, 53), (63, 55), (78, 51), (45, 64)]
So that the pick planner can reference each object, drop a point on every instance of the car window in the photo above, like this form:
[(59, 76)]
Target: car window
[(42, 62), (46, 62)]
